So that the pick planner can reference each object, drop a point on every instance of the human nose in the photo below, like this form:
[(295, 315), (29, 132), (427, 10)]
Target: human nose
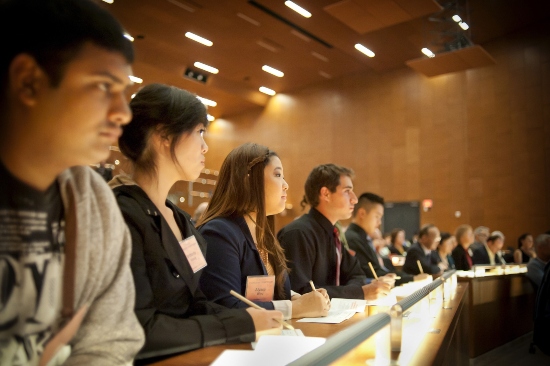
[(353, 198), (285, 185), (120, 112), (204, 147)]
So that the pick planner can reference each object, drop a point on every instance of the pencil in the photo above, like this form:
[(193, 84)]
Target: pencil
[(250, 303), (420, 266), (312, 285), (372, 269)]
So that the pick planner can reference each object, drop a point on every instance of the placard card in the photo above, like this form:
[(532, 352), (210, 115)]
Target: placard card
[(260, 288), (193, 253)]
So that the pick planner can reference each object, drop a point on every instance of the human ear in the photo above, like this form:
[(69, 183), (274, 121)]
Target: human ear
[(324, 194), (26, 78)]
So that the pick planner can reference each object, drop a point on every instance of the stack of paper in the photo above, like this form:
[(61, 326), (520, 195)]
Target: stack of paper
[(270, 351), (340, 310)]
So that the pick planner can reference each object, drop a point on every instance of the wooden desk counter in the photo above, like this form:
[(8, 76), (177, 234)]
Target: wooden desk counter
[(427, 350), (500, 310)]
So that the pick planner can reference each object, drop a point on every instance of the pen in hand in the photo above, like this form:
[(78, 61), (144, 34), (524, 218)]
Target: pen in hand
[(255, 306)]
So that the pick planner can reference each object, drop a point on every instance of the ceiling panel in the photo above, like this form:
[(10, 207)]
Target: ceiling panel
[(249, 34)]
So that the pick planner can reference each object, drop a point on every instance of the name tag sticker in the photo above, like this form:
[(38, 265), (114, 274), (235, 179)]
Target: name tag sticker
[(260, 288), (193, 253)]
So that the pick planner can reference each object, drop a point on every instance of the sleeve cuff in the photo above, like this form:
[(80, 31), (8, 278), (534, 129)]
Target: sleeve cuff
[(285, 307)]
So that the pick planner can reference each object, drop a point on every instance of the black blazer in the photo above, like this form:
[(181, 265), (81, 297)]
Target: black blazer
[(416, 253), (460, 258), (357, 240), (309, 247), (171, 308), (480, 256), (232, 257)]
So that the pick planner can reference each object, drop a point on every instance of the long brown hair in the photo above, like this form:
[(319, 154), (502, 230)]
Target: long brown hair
[(241, 190)]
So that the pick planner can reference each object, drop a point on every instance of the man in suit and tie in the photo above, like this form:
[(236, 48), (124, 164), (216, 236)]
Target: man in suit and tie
[(428, 238), (490, 252), (362, 232), (312, 245)]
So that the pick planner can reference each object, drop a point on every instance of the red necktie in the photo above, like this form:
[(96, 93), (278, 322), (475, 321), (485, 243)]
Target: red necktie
[(338, 255)]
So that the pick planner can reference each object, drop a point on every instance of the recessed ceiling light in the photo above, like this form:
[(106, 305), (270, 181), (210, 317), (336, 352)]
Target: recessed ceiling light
[(273, 71), (108, 1), (135, 79), (463, 25), (298, 9), (210, 117), (267, 91), (207, 102), (427, 52), (457, 18), (205, 67), (359, 47), (199, 39)]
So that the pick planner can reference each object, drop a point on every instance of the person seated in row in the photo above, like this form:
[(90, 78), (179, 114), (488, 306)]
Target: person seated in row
[(67, 288), (462, 254), (535, 267), (238, 225), (428, 238), (366, 218), (481, 233), (398, 242), (525, 250), (312, 242), (444, 249), (165, 144), (490, 253)]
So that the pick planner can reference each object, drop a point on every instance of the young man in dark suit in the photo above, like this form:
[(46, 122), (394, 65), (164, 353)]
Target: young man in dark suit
[(312, 243)]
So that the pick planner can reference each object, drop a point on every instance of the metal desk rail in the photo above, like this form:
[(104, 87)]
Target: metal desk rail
[(397, 310), (339, 344)]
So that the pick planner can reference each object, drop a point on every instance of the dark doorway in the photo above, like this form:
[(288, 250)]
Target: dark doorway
[(404, 215)]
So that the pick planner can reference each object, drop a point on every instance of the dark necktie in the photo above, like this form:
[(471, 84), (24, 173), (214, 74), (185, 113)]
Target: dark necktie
[(338, 244)]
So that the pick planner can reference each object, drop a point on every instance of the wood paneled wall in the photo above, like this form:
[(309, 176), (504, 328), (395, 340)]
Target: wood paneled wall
[(477, 141)]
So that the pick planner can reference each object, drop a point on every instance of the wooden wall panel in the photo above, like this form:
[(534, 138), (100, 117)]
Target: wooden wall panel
[(476, 141)]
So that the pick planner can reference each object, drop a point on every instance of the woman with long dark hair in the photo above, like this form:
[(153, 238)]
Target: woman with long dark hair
[(239, 228), (165, 144)]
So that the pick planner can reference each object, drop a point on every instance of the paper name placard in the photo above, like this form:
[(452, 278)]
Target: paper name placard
[(260, 288), (193, 253)]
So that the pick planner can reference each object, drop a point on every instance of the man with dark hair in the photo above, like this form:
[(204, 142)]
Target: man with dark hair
[(367, 217), (312, 243), (428, 237), (490, 252), (67, 288)]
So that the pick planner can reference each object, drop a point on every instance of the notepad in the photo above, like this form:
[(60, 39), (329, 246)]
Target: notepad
[(285, 332), (270, 351), (334, 317)]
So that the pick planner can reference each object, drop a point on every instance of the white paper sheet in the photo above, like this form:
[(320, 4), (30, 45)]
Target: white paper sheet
[(270, 351)]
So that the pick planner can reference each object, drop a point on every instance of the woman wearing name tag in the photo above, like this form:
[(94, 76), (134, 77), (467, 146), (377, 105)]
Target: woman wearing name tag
[(243, 254), (164, 143)]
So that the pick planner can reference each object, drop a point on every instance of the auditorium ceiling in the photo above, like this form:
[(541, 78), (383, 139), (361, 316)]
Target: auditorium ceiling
[(247, 35)]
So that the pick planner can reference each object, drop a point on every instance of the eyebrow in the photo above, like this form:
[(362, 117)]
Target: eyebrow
[(112, 77), (345, 187)]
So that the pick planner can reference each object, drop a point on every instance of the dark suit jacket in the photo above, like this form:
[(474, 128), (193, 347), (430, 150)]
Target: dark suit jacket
[(460, 258), (232, 257), (416, 253), (358, 241), (309, 247), (480, 256), (171, 308)]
